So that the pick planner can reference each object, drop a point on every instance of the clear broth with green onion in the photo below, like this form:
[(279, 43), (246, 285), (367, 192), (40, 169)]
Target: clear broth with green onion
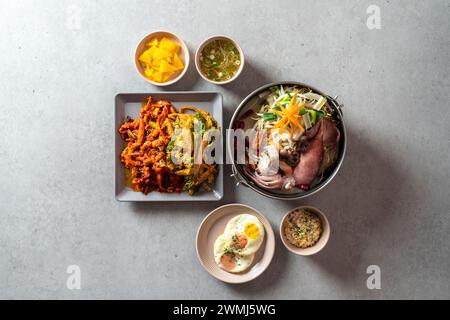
[(219, 60)]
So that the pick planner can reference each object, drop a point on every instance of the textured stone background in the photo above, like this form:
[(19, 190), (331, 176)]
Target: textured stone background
[(62, 62)]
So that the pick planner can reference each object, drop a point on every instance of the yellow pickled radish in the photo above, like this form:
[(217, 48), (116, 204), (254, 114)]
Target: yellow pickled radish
[(153, 42), (177, 63), (148, 72), (161, 60), (166, 76), (165, 67), (157, 76), (168, 45), (161, 53), (146, 56), (155, 64)]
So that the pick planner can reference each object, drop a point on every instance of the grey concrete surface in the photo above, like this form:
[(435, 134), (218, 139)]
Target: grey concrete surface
[(62, 62)]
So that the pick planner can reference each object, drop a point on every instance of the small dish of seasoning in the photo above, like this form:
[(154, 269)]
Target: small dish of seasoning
[(305, 230), (219, 60)]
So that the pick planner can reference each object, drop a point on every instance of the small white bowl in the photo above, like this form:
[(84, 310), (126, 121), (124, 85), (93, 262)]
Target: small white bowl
[(184, 56), (204, 43), (319, 245)]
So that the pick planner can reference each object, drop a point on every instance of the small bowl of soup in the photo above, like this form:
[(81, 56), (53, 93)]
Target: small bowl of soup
[(219, 60)]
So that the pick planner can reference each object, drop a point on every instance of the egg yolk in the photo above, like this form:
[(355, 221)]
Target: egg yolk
[(251, 231), (242, 241), (239, 242)]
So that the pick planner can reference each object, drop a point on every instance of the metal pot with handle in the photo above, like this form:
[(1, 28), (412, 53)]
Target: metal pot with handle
[(254, 100)]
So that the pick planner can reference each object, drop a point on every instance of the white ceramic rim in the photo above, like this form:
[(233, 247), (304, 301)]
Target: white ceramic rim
[(208, 40), (269, 231), (184, 48), (321, 243)]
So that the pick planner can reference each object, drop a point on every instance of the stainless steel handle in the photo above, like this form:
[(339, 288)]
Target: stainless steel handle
[(235, 175), (338, 105)]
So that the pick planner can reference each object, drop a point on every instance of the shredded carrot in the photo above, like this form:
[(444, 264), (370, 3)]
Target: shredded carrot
[(289, 115), (284, 127)]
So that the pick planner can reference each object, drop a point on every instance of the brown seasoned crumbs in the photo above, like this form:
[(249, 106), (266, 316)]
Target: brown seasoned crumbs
[(303, 228)]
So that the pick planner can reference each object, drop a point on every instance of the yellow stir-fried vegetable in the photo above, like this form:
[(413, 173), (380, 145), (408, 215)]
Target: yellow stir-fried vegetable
[(197, 174)]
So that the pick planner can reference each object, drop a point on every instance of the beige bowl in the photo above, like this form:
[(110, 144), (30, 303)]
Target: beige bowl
[(319, 244), (214, 225), (184, 56), (204, 43)]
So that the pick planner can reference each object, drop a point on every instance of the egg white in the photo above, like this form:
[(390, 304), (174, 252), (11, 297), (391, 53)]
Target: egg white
[(221, 245), (236, 226)]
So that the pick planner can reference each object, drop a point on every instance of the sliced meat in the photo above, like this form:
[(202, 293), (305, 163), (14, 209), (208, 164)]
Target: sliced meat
[(311, 132), (329, 132), (324, 134), (308, 168), (325, 130)]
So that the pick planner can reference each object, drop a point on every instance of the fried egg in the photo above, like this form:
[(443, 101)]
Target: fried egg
[(246, 233), (228, 259)]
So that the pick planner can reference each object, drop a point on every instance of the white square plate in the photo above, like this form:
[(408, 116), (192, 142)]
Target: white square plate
[(129, 104)]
